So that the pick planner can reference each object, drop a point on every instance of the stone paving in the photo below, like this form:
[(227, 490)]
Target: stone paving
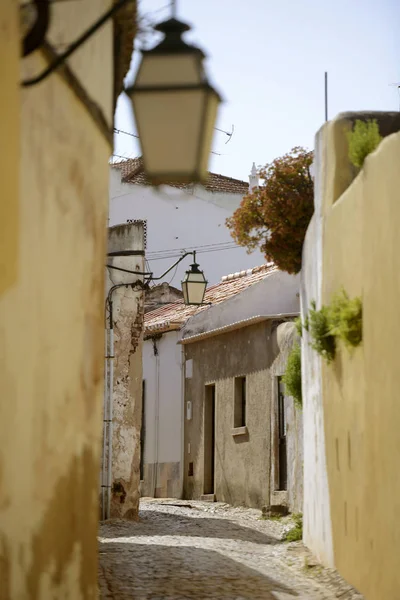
[(182, 550)]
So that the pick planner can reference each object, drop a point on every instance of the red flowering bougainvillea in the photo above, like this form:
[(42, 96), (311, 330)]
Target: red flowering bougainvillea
[(275, 216)]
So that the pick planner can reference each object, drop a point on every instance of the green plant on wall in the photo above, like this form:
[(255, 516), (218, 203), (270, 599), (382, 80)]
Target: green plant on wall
[(292, 376), (363, 139), (319, 328), (340, 320), (345, 318)]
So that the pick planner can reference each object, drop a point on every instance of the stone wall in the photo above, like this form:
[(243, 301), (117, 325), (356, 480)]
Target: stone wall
[(128, 311)]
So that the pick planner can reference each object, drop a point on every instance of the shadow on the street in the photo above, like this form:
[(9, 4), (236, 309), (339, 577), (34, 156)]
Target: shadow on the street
[(147, 571), (159, 523)]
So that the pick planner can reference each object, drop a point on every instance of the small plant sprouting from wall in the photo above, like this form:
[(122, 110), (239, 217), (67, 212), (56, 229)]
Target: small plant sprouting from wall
[(345, 317), (319, 327), (296, 533), (341, 320), (292, 376), (363, 139), (299, 326)]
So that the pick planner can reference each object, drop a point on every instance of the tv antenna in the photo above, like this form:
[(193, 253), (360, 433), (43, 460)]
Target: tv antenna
[(228, 133)]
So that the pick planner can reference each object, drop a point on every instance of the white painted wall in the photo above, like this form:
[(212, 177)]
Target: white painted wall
[(278, 293), (178, 219), (317, 527), (163, 395)]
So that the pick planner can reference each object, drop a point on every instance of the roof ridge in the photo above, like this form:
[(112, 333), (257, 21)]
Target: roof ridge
[(246, 272), (132, 171), (228, 178)]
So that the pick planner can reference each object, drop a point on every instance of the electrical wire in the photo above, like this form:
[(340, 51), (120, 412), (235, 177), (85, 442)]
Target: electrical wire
[(134, 135), (215, 244), (199, 252)]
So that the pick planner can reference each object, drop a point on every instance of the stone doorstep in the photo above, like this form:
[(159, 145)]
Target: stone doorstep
[(208, 498)]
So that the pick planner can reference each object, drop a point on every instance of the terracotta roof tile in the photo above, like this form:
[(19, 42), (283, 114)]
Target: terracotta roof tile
[(173, 316), (132, 172)]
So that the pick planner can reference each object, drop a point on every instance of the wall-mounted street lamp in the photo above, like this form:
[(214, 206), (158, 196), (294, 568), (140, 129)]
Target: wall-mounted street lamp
[(194, 284), (175, 108), (174, 104)]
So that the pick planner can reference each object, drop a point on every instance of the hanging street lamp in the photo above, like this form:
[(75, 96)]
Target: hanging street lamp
[(175, 108), (194, 284)]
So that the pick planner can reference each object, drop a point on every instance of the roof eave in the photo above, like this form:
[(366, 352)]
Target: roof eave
[(235, 326)]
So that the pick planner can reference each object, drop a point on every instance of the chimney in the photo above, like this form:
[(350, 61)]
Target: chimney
[(253, 178)]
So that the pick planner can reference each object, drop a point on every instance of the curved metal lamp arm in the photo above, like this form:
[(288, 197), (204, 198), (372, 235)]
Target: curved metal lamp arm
[(36, 34), (174, 265), (149, 276), (75, 45)]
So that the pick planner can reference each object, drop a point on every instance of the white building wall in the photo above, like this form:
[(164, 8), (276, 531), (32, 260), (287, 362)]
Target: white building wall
[(162, 374), (178, 219), (317, 527)]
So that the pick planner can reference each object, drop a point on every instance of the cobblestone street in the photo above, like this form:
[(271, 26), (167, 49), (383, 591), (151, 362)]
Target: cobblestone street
[(183, 550)]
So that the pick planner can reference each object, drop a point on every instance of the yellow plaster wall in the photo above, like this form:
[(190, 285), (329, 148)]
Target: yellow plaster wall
[(54, 194), (361, 390)]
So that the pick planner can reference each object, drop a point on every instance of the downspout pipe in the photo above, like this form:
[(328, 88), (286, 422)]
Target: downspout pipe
[(183, 417), (156, 415)]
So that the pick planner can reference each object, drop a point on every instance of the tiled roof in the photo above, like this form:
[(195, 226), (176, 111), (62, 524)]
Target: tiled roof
[(173, 316), (132, 172)]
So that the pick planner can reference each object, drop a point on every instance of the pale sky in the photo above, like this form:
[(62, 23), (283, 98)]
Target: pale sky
[(267, 59)]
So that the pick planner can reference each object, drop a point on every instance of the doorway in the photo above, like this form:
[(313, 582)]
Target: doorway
[(282, 459), (209, 439)]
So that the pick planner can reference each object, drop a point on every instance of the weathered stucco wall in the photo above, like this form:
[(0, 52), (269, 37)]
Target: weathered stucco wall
[(317, 529), (282, 338), (128, 311), (54, 197), (361, 408), (162, 374), (242, 463)]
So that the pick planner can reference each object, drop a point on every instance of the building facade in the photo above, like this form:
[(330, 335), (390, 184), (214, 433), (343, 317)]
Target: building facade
[(182, 218), (243, 436), (168, 373)]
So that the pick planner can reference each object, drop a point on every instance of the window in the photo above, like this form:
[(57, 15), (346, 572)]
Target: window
[(282, 458), (239, 412)]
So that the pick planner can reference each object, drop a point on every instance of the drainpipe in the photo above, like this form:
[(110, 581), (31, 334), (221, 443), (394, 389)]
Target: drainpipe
[(183, 378), (156, 416), (105, 427), (110, 409)]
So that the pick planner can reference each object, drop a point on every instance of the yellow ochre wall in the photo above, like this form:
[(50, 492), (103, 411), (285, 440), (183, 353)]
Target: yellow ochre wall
[(361, 390), (53, 215)]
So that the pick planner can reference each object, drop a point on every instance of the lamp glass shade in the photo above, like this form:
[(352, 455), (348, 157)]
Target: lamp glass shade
[(194, 286), (175, 110)]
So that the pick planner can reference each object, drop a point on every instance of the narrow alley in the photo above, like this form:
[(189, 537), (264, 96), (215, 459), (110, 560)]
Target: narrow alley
[(184, 550)]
